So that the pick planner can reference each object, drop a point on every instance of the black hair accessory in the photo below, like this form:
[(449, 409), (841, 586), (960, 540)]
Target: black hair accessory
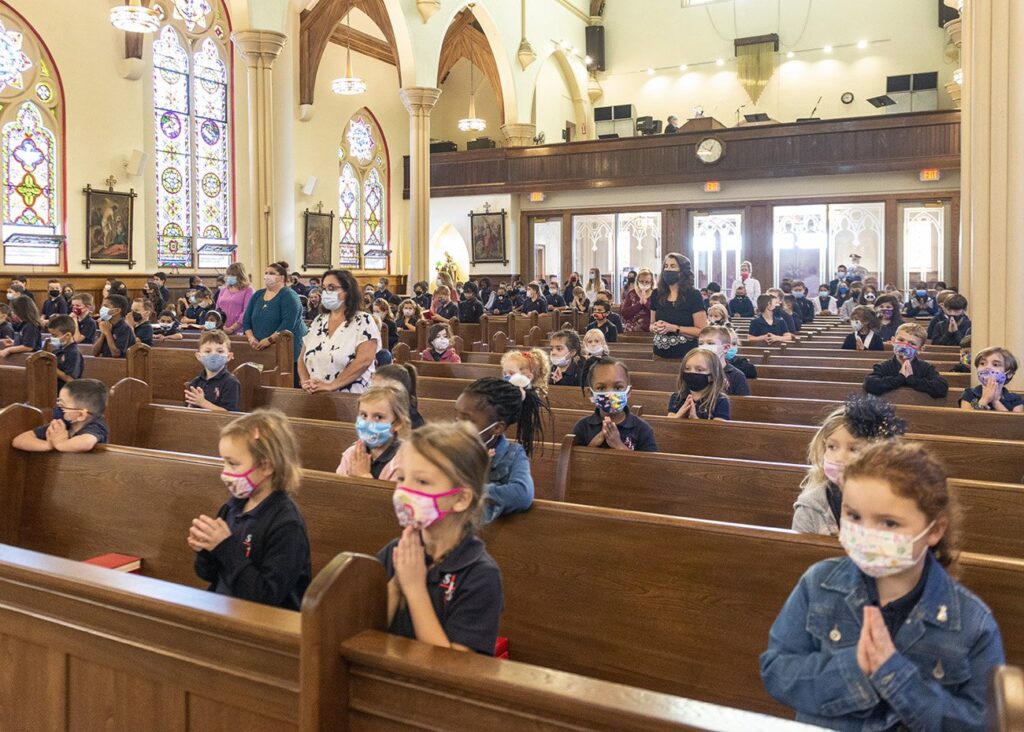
[(868, 417)]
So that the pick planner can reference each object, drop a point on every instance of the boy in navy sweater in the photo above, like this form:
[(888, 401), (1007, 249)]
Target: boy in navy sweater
[(949, 331), (905, 368), (766, 328)]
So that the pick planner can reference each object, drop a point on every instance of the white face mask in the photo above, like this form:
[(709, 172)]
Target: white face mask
[(441, 343), (330, 300), (710, 348), (645, 286), (595, 350), (561, 362), (270, 279), (879, 553)]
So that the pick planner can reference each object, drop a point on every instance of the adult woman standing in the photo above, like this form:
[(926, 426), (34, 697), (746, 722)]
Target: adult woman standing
[(274, 310), (747, 279), (338, 352), (677, 310), (636, 305), (233, 299), (594, 285)]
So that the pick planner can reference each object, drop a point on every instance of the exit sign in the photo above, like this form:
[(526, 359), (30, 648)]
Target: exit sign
[(713, 186), (930, 175)]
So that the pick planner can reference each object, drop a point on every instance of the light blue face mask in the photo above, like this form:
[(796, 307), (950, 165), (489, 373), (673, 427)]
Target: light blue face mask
[(105, 313), (373, 434), (231, 280), (210, 325), (731, 353), (213, 362)]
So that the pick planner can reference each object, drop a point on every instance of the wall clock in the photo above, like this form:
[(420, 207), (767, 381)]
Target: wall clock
[(710, 150)]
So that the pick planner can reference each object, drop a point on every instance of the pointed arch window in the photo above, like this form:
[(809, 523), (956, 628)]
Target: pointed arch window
[(192, 134), (363, 184), (31, 142)]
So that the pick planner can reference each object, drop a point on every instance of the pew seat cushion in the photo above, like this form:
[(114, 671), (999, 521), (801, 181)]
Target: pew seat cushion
[(465, 591)]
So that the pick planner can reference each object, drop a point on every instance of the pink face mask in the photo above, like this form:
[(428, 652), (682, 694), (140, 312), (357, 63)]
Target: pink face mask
[(238, 484), (418, 509), (833, 470)]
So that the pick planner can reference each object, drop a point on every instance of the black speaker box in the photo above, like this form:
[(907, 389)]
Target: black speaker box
[(595, 47)]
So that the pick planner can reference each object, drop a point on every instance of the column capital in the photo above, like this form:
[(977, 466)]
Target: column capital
[(419, 99), (259, 48), (519, 135)]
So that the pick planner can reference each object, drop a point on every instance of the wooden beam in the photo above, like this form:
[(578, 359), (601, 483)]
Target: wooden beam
[(465, 40), (364, 43)]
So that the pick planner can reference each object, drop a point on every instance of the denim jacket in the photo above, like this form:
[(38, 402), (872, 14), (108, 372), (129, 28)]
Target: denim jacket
[(936, 680), (509, 486)]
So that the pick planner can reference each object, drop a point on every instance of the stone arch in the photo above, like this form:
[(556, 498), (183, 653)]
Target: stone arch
[(577, 92)]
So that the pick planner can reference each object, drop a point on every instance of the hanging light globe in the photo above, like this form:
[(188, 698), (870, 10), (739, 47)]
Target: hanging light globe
[(472, 123), (348, 85), (135, 18)]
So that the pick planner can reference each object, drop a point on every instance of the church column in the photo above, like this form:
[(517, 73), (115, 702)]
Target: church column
[(992, 157), (419, 101), (259, 49), (520, 135)]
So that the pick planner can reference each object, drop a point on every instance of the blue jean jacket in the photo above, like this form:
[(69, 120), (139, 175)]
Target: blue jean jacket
[(509, 486), (936, 680)]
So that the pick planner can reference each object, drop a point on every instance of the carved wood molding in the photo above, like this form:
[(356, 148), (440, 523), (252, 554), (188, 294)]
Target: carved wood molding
[(364, 43), (465, 39)]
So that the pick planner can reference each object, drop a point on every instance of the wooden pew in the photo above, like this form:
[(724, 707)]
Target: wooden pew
[(29, 378), (1006, 699)]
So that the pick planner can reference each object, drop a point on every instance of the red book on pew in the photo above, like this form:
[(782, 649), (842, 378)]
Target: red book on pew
[(119, 562), (501, 647)]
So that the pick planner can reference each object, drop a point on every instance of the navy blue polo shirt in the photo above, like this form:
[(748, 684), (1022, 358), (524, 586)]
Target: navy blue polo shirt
[(124, 338), (501, 305), (540, 305), (30, 335), (95, 427), (1011, 400), (144, 333), (465, 590), (70, 361), (636, 434), (449, 310), (759, 326), (470, 311), (607, 327), (675, 403), (55, 306), (222, 389), (737, 381), (173, 330), (87, 327), (7, 330)]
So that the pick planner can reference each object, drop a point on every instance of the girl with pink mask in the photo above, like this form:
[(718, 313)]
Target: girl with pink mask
[(841, 437)]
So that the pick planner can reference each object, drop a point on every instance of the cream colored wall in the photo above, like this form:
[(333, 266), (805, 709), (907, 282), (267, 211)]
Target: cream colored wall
[(553, 102), (453, 105), (905, 34), (455, 211)]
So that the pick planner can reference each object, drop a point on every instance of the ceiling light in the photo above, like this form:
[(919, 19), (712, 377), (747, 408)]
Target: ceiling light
[(650, 71), (135, 18), (862, 44), (349, 84), (790, 55), (720, 62), (827, 49), (682, 67), (472, 123)]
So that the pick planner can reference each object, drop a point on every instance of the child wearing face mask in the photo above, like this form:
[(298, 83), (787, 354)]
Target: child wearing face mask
[(214, 321), (492, 406), (949, 331), (612, 425), (599, 321), (439, 345), (55, 304), (802, 304), (889, 318), (824, 302), (864, 324), (142, 312), (718, 315), (115, 335), (534, 303), (470, 307), (636, 304), (82, 305), (717, 339), (884, 637), (408, 316), (790, 315), (964, 365), (446, 309), (382, 422), (580, 302), (734, 359), (566, 358), (741, 306), (77, 424), (257, 555), (444, 588), (844, 433), (527, 369), (554, 296), (905, 368), (920, 303), (594, 344), (382, 314), (421, 295), (216, 388), (502, 304), (70, 363), (28, 337), (996, 367), (700, 390), (166, 327)]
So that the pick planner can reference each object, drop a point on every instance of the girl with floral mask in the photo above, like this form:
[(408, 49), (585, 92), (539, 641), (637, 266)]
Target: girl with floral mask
[(261, 556), (996, 366), (612, 425), (884, 638), (444, 588), (382, 421), (841, 437)]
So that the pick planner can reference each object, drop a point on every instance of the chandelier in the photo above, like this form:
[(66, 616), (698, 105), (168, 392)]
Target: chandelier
[(135, 18), (348, 85), (472, 123)]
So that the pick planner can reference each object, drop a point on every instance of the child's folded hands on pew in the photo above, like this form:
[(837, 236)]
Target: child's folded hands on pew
[(875, 645), (207, 533), (609, 435)]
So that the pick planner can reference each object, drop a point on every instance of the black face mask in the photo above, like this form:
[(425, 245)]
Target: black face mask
[(696, 382), (54, 293), (670, 277)]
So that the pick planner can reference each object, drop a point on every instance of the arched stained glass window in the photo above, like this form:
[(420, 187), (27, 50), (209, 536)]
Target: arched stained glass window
[(363, 180), (31, 122), (191, 119)]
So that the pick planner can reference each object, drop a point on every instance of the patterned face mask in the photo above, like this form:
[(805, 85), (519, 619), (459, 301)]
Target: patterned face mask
[(985, 376), (906, 351), (876, 552), (611, 402), (417, 509), (239, 484), (373, 434)]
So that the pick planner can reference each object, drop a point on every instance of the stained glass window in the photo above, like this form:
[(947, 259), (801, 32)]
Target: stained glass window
[(30, 155), (362, 195), (191, 110)]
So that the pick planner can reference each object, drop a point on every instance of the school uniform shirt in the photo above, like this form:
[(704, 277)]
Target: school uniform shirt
[(465, 591), (385, 467), (88, 328), (30, 335), (611, 333), (539, 305), (792, 323), (7, 330), (415, 418), (502, 304), (735, 381), (509, 487), (163, 293), (423, 300), (174, 329), (759, 326), (70, 361), (941, 336), (124, 338), (555, 299), (872, 341), (886, 376), (805, 309), (743, 365), (888, 332), (1009, 399), (95, 427), (917, 308), (681, 312), (449, 310), (676, 401), (144, 333), (449, 356), (222, 389), (636, 434), (572, 375), (197, 313), (741, 307), (266, 558), (327, 354), (946, 646), (55, 306), (470, 311)]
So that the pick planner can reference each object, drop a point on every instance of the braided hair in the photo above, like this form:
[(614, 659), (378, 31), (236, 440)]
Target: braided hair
[(522, 407)]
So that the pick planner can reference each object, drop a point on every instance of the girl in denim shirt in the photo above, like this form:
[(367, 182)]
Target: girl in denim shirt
[(491, 405), (885, 638)]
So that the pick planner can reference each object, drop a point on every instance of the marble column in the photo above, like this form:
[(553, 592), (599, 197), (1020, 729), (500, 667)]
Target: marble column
[(419, 101), (992, 160), (520, 135), (259, 49)]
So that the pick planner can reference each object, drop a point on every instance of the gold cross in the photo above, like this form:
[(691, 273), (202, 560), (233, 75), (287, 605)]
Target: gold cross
[(487, 208), (111, 182), (319, 206)]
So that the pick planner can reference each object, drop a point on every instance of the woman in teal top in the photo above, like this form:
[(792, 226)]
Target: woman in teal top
[(273, 310)]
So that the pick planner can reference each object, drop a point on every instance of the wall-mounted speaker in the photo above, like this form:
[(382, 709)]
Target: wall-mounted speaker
[(135, 163), (595, 47), (310, 186)]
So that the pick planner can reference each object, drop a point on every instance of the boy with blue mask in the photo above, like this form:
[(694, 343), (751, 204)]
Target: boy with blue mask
[(70, 363), (115, 336), (612, 425), (216, 388)]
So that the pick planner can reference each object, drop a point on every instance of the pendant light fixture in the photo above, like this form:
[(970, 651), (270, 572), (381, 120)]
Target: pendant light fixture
[(134, 17), (348, 85), (526, 53), (472, 123)]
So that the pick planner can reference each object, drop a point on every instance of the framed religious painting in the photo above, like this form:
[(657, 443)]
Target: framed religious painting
[(488, 237), (109, 219), (317, 240)]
